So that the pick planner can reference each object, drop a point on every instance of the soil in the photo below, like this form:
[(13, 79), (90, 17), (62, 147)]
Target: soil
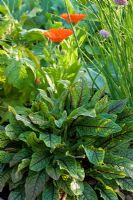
[(4, 194)]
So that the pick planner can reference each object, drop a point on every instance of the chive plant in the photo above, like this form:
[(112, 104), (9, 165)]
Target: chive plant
[(110, 56)]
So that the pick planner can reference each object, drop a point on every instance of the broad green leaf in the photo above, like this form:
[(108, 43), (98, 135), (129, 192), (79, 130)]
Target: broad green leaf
[(61, 120), (88, 193), (95, 155), (4, 177), (16, 74), (34, 59), (3, 9), (110, 172), (23, 153), (126, 153), (101, 105), (81, 111), (50, 140), (4, 25), (97, 96), (117, 160), (121, 140), (69, 6), (16, 176), (44, 96), (25, 121), (80, 94), (36, 118), (106, 180), (24, 163), (65, 185), (129, 170), (85, 140), (31, 139), (71, 166), (16, 195), (13, 131), (50, 82), (53, 171), (113, 117), (32, 34), (77, 187), (39, 161), (5, 156), (3, 60), (97, 127), (4, 140), (124, 163), (34, 185), (126, 116), (50, 193), (24, 136), (116, 106), (125, 184), (107, 193)]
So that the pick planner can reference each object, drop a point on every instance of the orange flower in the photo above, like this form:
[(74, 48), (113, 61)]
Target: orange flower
[(58, 35), (74, 18)]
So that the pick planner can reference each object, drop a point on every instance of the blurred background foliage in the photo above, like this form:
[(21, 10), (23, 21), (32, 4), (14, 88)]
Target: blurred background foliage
[(24, 51)]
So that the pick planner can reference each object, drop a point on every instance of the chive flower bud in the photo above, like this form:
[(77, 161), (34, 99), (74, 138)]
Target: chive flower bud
[(104, 33), (121, 2)]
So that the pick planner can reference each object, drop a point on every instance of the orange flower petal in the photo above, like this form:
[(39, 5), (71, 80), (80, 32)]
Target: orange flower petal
[(58, 35), (74, 18)]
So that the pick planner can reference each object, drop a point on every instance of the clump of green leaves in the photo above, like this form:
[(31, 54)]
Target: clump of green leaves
[(69, 145), (111, 57)]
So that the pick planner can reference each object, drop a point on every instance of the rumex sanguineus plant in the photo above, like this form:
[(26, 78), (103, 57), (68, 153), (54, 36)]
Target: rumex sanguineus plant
[(68, 145)]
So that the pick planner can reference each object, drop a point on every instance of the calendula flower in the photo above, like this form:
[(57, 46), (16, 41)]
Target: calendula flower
[(73, 18), (58, 35), (104, 33), (121, 2)]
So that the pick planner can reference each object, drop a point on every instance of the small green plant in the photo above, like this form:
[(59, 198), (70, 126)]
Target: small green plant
[(70, 144)]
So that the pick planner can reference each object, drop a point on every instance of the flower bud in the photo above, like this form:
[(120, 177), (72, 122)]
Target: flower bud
[(121, 2), (37, 81), (104, 33)]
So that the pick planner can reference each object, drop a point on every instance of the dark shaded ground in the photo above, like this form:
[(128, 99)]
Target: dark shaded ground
[(4, 194)]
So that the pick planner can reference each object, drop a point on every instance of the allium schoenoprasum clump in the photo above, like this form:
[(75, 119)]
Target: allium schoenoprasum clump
[(69, 146), (121, 2)]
